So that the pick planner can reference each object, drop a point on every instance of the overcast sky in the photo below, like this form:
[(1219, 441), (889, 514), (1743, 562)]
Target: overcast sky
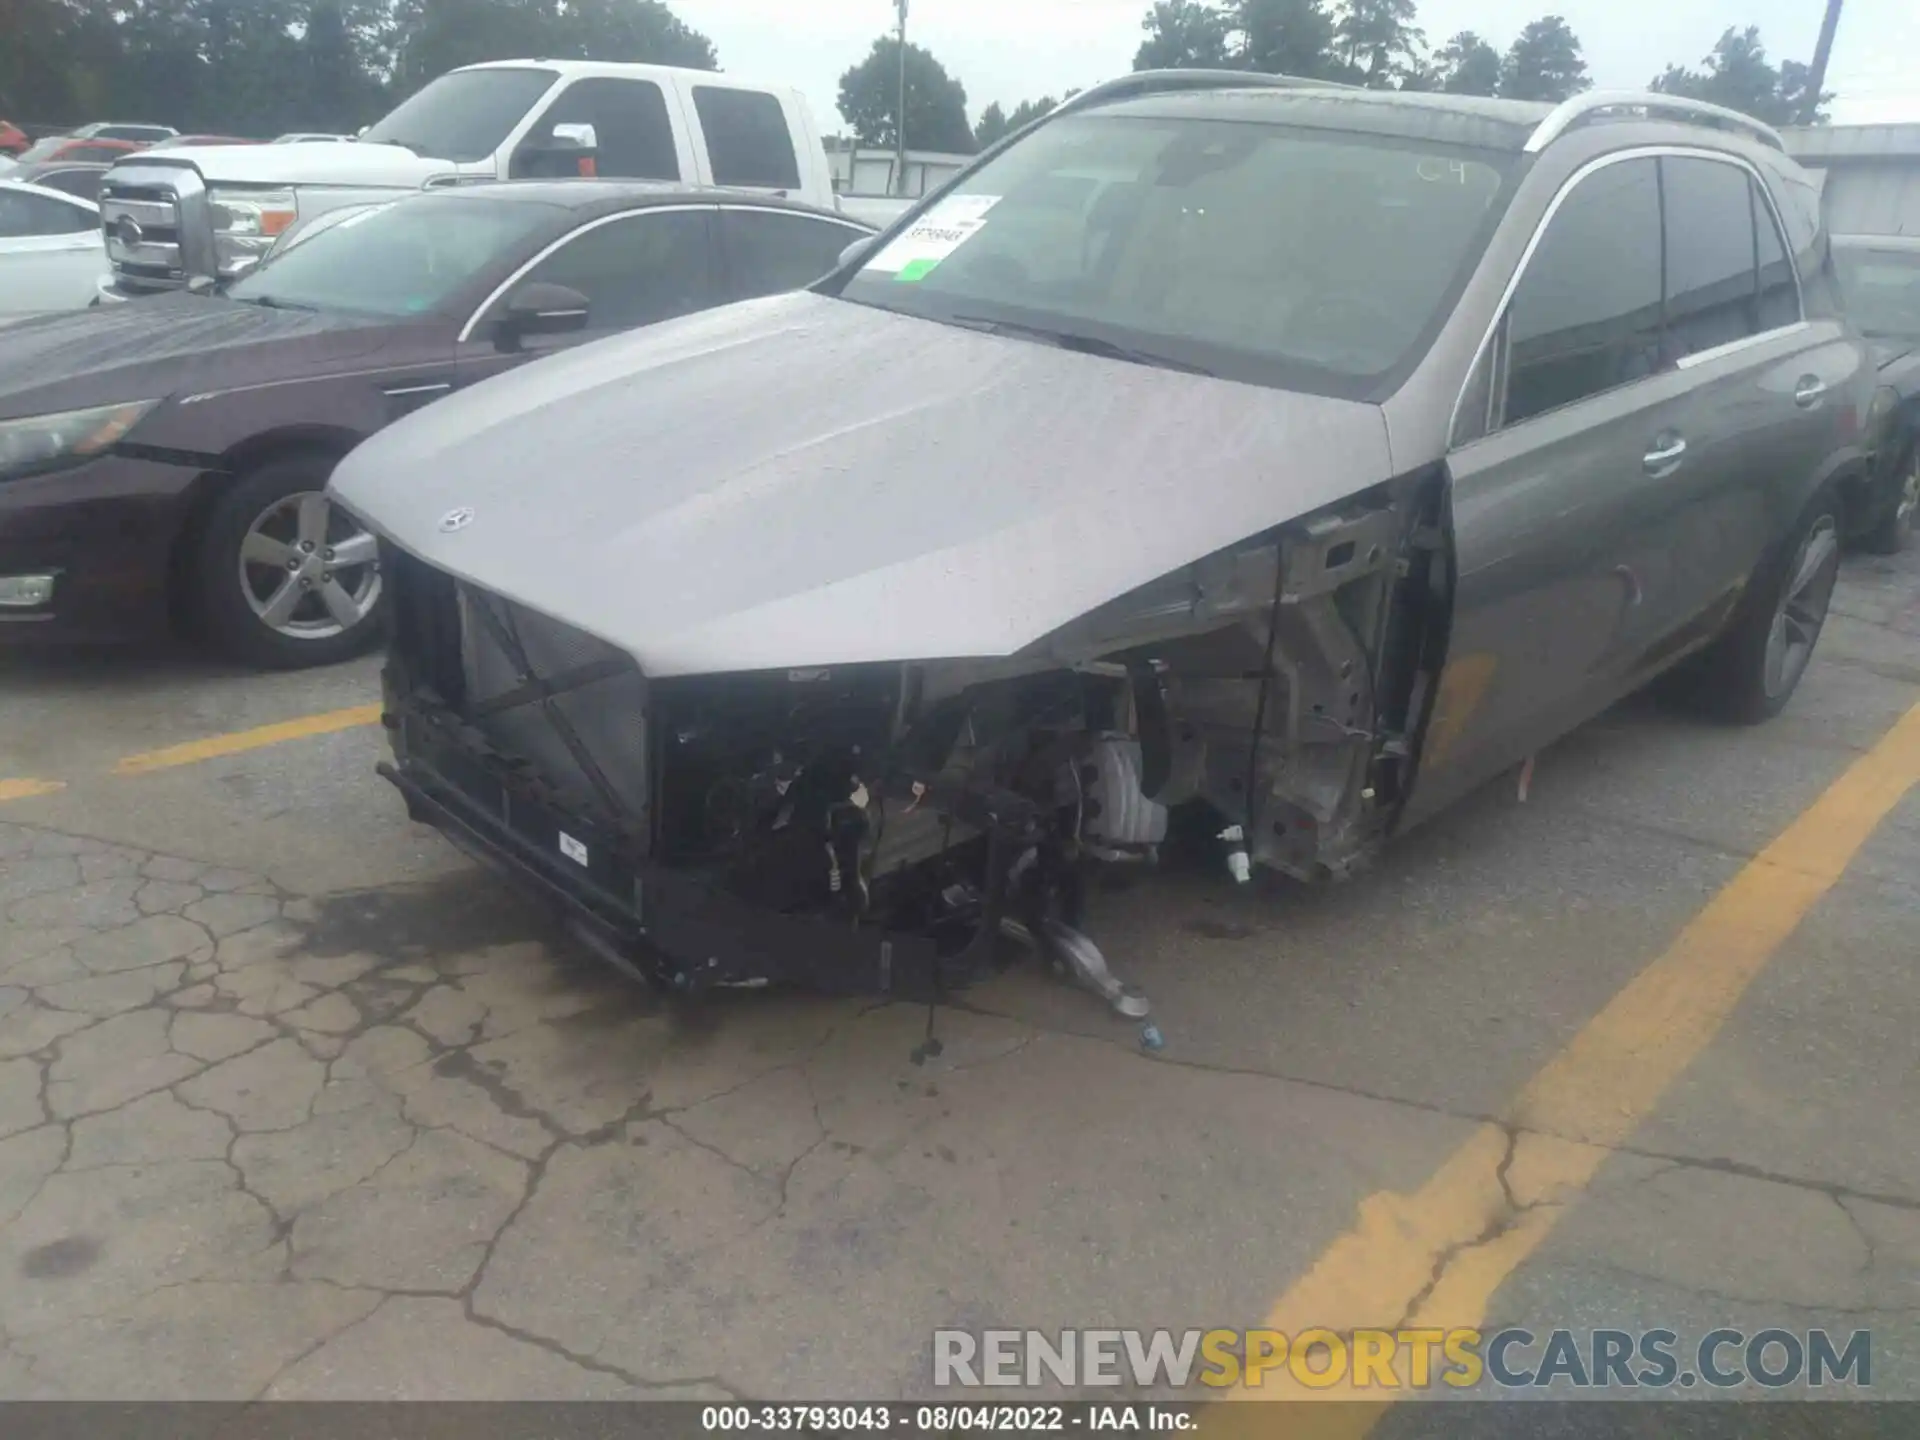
[(1014, 50)]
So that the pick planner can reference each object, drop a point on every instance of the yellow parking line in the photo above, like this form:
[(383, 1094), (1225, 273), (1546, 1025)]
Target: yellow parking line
[(1435, 1258), (27, 789), (214, 746)]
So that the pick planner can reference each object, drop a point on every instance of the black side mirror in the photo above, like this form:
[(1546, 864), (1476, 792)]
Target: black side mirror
[(540, 309), (855, 251)]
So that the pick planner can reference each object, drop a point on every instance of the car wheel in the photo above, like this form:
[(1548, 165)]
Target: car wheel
[(287, 579), (1891, 530), (1752, 670)]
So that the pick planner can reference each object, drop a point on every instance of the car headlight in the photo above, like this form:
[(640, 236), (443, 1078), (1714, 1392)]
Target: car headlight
[(48, 442), (246, 223)]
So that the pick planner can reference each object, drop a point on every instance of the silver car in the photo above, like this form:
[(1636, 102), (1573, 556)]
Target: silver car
[(1258, 463)]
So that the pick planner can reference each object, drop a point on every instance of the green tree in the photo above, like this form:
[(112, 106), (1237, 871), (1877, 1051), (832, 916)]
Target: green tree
[(1468, 65), (1286, 37), (995, 123), (1377, 42), (936, 102), (1544, 63), (1183, 35), (1738, 75)]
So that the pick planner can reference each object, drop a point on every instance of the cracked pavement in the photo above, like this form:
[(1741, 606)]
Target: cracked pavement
[(295, 1103)]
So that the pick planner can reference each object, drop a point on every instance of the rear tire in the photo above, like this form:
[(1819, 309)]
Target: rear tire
[(1893, 527), (284, 579), (1752, 670)]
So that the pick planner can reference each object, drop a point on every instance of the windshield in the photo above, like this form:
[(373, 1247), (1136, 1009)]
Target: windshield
[(407, 258), (1882, 289), (464, 116), (1291, 257)]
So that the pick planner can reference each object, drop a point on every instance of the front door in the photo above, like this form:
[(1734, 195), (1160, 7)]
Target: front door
[(634, 269), (1577, 443)]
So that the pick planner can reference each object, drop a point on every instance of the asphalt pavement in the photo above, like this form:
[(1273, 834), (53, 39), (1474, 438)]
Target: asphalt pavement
[(296, 1102)]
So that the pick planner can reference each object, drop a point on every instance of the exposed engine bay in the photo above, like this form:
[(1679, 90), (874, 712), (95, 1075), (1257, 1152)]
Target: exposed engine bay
[(883, 826)]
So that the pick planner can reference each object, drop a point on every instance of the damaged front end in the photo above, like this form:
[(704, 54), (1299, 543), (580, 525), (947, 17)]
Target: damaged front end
[(879, 828)]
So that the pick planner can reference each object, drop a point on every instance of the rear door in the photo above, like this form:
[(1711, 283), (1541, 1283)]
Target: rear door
[(1568, 437), (636, 268), (1754, 419), (768, 252)]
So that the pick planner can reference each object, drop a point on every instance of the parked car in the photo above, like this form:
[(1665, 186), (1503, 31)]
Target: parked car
[(80, 178), (164, 462), (1303, 457), (114, 130), (51, 257), (68, 148), (1880, 275), (214, 211), (179, 142)]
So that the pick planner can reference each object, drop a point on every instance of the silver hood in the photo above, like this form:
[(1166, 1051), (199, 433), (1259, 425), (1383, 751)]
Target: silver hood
[(802, 481)]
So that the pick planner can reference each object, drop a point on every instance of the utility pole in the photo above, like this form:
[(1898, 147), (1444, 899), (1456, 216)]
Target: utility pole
[(900, 115), (1816, 74)]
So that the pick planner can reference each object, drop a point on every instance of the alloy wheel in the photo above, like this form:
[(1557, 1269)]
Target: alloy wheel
[(1803, 606), (308, 569)]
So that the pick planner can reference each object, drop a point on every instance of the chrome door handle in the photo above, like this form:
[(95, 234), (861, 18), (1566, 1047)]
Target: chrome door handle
[(1665, 455), (1808, 392)]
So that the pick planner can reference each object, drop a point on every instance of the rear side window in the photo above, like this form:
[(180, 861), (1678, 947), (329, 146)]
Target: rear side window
[(748, 142), (1586, 314), (769, 252), (83, 183), (1711, 254), (630, 123), (638, 269)]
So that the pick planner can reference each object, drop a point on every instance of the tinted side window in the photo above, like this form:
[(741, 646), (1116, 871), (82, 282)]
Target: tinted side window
[(637, 269), (84, 183), (1710, 254), (93, 152), (630, 123), (1586, 315), (768, 252), (748, 142), (1779, 299), (22, 214)]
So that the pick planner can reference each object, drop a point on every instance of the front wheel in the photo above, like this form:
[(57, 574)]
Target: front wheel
[(287, 579), (1752, 670)]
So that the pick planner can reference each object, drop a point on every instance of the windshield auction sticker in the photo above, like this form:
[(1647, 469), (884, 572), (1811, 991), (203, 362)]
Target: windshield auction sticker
[(917, 252)]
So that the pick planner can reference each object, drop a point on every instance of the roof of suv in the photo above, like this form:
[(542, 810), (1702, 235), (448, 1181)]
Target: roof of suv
[(1471, 120), (1454, 119)]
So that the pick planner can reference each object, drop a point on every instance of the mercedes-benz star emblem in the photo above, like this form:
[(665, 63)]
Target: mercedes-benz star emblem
[(456, 520)]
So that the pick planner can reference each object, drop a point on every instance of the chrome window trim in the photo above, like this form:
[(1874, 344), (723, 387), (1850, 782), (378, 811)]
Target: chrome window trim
[(466, 331), (1734, 347), (1598, 163)]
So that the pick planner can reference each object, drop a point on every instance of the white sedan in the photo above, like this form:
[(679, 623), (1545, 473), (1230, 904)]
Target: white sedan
[(51, 253)]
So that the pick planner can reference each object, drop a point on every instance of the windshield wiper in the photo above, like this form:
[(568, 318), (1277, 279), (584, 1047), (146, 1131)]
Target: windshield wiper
[(267, 302), (1084, 344)]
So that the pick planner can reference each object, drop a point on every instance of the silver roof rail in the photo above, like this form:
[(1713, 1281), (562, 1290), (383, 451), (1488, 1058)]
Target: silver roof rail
[(1569, 113), (1160, 82)]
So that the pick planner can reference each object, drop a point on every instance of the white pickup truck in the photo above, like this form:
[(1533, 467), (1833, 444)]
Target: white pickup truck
[(199, 215)]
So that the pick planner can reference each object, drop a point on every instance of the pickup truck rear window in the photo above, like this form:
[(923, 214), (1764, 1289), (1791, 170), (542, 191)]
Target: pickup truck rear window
[(464, 116), (748, 142)]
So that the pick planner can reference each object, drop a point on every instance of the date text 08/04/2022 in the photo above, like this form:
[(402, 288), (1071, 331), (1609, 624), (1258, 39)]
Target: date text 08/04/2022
[(946, 1418)]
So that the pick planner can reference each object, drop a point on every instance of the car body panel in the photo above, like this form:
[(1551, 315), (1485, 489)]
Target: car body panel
[(42, 274), (1060, 482)]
